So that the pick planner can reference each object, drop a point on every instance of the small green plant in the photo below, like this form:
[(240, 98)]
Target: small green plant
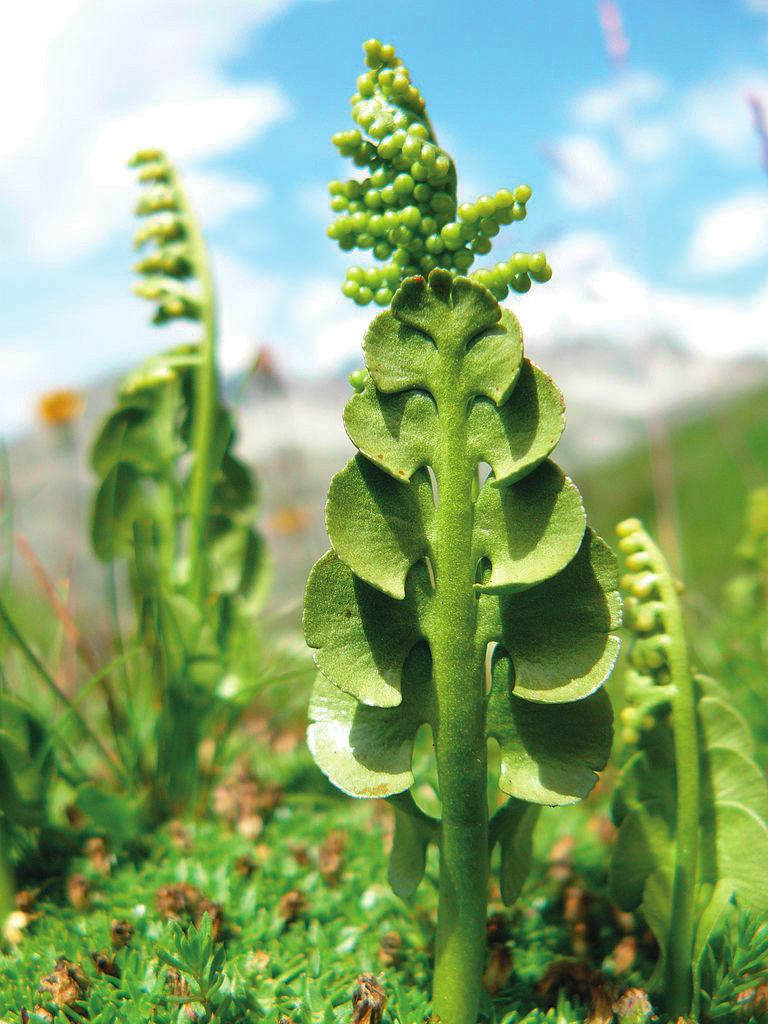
[(691, 804), (406, 211), (175, 501), (427, 595)]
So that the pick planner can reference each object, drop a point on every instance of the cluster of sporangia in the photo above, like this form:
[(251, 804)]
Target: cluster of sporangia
[(406, 210), (169, 266), (647, 678)]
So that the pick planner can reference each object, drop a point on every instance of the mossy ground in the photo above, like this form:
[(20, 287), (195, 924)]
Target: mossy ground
[(302, 919)]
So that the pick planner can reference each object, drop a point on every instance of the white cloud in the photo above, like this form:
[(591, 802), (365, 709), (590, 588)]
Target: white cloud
[(313, 330), (650, 141), (593, 296), (91, 82), (716, 113), (217, 197), (604, 105), (588, 175), (731, 235)]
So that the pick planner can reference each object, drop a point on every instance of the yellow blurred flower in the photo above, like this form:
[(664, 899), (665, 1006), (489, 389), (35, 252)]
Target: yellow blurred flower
[(57, 408)]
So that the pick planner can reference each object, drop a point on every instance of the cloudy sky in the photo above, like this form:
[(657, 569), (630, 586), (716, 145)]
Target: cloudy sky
[(650, 194)]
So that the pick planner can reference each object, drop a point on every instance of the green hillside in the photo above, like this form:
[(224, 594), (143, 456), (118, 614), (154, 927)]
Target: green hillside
[(711, 461)]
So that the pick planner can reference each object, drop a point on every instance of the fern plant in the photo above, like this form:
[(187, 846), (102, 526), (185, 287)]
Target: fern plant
[(176, 502), (422, 584), (691, 804), (406, 211)]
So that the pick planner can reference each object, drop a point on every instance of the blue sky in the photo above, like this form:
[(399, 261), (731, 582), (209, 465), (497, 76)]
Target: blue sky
[(649, 193)]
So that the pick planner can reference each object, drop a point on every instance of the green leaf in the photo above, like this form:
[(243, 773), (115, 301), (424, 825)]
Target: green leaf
[(235, 491), (644, 845), (530, 530), (367, 751), (396, 432), (116, 814), (515, 437), (512, 827), (657, 908), (128, 435), (234, 554), (558, 634), (380, 527), (414, 831), (118, 504), (549, 752), (723, 726), (363, 636), (447, 319), (189, 646), (739, 852), (730, 776)]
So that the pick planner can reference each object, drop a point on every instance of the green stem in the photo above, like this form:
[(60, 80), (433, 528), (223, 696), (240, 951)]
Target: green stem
[(460, 743), (204, 408), (678, 976)]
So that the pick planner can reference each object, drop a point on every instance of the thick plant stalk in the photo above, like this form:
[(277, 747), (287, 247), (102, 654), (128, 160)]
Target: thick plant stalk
[(460, 740)]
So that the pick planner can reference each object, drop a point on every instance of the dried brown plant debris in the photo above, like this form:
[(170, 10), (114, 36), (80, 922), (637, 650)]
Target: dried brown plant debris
[(179, 987), (105, 963), (391, 950), (753, 1003), (260, 960), (179, 836), (25, 900), (79, 891), (96, 852), (300, 854), (578, 980), (177, 901), (246, 802), (578, 916), (499, 969), (185, 901), (623, 956), (66, 986), (120, 932), (292, 905), (561, 858), (633, 1004), (368, 1001), (245, 865), (497, 929), (330, 857)]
